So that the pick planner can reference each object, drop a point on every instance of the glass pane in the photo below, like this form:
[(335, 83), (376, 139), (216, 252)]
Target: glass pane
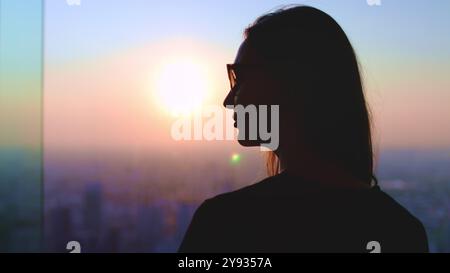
[(20, 125)]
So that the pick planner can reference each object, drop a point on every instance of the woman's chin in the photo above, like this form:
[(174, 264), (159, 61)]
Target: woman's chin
[(249, 143)]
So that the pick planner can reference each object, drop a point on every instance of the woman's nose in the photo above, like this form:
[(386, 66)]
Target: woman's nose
[(229, 99)]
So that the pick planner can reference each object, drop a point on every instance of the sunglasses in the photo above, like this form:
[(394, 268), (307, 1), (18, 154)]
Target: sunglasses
[(235, 78), (232, 74), (235, 72)]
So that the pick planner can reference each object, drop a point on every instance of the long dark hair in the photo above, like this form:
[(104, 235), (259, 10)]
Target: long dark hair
[(319, 72)]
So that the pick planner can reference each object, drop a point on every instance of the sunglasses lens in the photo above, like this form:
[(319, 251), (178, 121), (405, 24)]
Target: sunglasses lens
[(231, 76)]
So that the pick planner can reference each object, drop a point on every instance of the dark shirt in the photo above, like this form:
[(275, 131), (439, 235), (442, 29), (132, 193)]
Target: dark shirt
[(285, 214)]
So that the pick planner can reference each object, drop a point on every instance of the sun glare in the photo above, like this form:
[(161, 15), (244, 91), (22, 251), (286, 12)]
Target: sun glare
[(181, 86)]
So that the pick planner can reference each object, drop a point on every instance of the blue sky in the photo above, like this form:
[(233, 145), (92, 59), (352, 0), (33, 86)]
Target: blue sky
[(20, 73), (412, 27)]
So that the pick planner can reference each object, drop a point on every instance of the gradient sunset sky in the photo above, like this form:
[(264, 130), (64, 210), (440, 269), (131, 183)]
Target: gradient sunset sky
[(102, 59)]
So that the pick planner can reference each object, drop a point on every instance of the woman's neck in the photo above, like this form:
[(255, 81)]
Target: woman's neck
[(310, 167)]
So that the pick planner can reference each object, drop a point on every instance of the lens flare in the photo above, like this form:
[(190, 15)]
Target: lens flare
[(235, 159)]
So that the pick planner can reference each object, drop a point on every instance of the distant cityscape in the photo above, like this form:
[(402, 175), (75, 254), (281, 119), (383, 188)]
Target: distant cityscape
[(142, 205), (124, 205), (420, 181)]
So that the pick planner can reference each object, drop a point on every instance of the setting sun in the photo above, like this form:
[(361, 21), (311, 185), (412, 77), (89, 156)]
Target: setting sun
[(181, 86)]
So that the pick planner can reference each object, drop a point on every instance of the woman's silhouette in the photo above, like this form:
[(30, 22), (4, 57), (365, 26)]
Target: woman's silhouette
[(321, 195)]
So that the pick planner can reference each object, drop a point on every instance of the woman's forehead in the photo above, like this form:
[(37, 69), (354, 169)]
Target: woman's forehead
[(246, 54)]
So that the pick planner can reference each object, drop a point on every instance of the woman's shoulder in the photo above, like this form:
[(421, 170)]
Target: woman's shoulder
[(395, 211), (262, 188), (398, 222), (236, 200)]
